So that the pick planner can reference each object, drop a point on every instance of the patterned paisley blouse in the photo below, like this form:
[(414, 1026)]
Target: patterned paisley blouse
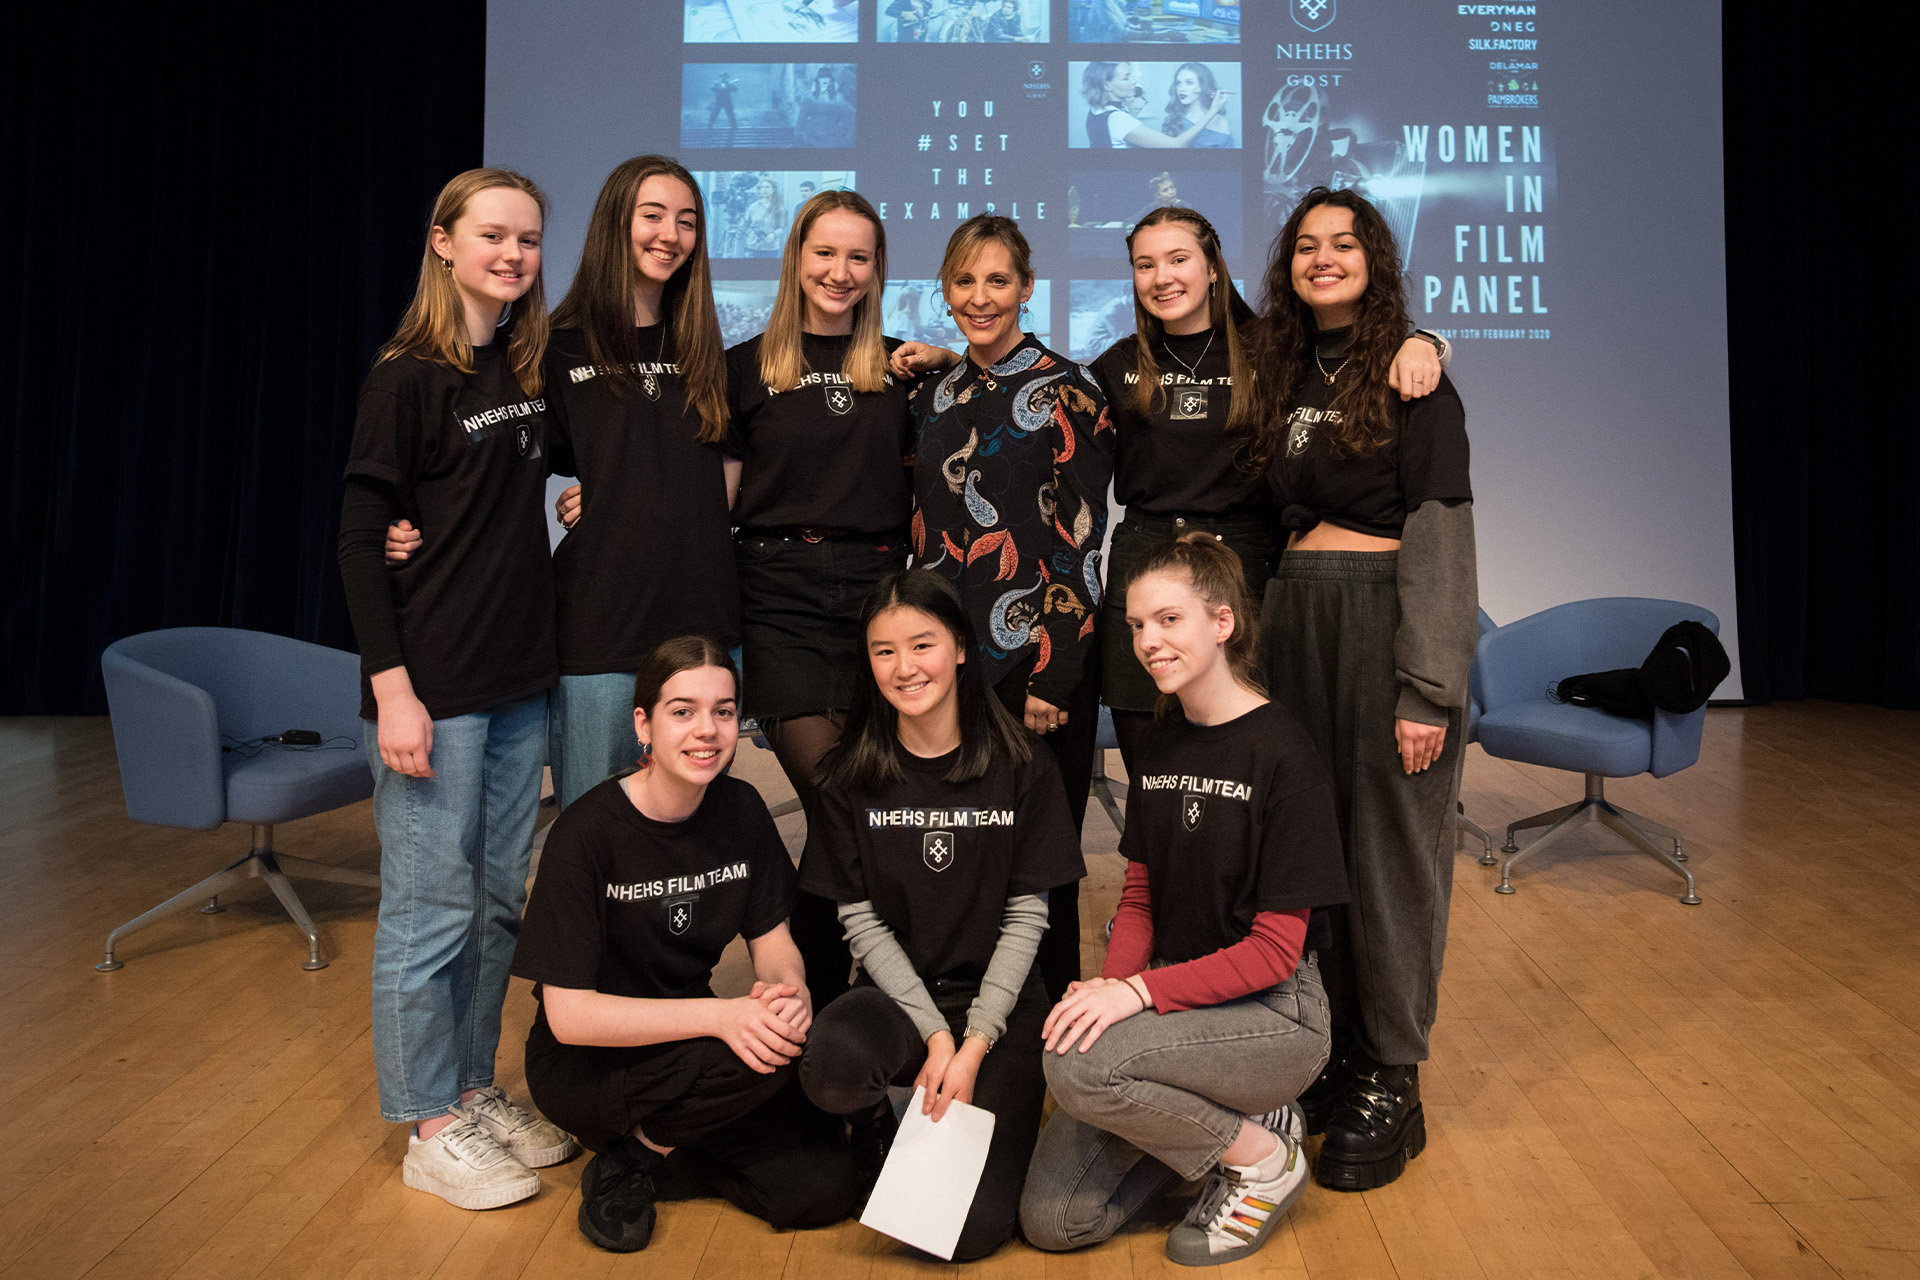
[(1010, 492)]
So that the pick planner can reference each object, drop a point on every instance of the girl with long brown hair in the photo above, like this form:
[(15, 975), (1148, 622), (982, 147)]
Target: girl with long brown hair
[(1372, 611)]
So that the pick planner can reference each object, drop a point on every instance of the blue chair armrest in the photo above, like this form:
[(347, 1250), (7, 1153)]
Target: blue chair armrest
[(166, 733)]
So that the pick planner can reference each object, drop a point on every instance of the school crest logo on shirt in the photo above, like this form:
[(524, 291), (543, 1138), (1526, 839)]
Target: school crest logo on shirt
[(1192, 809), (936, 850), (840, 400), (650, 386), (524, 439), (1189, 403), (1297, 436), (679, 915)]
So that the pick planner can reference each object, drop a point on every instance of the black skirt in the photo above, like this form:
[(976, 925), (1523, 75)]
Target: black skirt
[(1124, 683), (800, 618)]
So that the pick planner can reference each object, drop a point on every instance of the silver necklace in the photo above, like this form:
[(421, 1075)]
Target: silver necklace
[(1192, 369), (1323, 369)]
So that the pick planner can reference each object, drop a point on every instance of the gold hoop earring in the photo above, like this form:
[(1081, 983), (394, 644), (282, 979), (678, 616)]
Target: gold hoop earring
[(447, 265)]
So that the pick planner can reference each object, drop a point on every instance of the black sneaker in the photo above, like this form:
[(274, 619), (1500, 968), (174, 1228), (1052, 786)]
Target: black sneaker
[(1375, 1127), (616, 1197), (870, 1138), (1317, 1102)]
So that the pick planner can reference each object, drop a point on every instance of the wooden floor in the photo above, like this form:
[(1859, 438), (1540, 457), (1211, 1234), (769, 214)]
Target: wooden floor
[(1621, 1085)]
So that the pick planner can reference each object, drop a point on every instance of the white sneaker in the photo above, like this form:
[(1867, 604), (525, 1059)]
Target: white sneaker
[(464, 1166), (534, 1142), (1239, 1207)]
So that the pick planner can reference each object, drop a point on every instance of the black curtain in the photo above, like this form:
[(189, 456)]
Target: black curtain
[(1826, 476), (212, 219)]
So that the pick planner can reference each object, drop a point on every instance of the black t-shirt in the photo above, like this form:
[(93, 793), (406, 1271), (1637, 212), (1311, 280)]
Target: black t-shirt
[(821, 453), (1424, 460), (939, 859), (651, 556), (1231, 820), (466, 458), (1179, 460), (628, 906)]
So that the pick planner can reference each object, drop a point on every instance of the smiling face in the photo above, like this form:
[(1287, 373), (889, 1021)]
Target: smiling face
[(666, 227), (1329, 266), (1177, 636), (493, 249), (916, 661), (693, 726), (1172, 277), (986, 295), (836, 270)]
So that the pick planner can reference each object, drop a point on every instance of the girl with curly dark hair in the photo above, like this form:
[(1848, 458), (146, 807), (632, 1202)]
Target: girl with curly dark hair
[(1371, 615)]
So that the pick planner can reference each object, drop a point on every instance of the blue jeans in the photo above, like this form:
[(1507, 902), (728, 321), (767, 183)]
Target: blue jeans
[(1160, 1096), (591, 735), (454, 852)]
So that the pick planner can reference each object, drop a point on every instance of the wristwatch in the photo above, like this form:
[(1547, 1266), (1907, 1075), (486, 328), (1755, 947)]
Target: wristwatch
[(977, 1034)]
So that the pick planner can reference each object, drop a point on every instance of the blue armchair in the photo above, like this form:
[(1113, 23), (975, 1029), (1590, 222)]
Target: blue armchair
[(1518, 721), (175, 694)]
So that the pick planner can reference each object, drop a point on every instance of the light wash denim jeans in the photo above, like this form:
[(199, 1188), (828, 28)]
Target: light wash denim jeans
[(454, 851), (1159, 1097), (591, 735)]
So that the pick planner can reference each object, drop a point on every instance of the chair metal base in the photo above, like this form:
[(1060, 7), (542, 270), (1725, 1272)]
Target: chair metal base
[(261, 863), (1462, 823), (1595, 807)]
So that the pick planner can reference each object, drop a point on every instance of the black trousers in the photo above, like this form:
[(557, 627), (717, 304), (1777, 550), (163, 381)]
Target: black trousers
[(1058, 962), (863, 1042), (751, 1138)]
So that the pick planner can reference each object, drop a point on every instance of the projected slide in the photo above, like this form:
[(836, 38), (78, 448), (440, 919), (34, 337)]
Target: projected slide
[(1526, 155)]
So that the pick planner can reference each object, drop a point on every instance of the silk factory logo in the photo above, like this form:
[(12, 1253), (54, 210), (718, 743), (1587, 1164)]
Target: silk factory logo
[(1315, 15)]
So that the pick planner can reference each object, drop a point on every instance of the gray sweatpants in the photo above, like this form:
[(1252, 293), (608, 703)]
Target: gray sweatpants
[(1330, 620), (1158, 1098)]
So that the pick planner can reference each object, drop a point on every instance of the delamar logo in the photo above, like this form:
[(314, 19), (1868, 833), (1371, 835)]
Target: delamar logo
[(1315, 15)]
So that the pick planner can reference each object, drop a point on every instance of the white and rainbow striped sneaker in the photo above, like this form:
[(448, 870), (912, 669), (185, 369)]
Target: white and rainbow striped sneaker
[(1239, 1207)]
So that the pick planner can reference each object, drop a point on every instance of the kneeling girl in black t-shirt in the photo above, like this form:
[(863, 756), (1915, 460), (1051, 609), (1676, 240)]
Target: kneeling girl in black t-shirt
[(940, 831), (1182, 1058), (643, 883)]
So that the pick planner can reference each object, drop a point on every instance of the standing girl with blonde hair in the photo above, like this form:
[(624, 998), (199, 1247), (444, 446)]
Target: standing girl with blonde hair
[(457, 647), (821, 433)]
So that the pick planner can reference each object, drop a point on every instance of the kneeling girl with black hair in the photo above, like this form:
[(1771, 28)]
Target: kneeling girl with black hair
[(643, 883), (1183, 1057), (940, 830)]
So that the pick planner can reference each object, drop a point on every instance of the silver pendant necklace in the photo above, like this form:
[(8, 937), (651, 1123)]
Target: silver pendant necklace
[(1323, 369), (1193, 369)]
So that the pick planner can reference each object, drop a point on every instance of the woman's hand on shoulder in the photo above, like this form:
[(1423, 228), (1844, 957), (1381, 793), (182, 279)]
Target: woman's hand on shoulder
[(1419, 744), (402, 541), (911, 359), (566, 507), (1415, 371), (1088, 1009), (758, 1036)]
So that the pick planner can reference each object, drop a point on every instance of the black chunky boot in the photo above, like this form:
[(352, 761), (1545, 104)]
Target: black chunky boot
[(1317, 1102), (617, 1194), (1375, 1126)]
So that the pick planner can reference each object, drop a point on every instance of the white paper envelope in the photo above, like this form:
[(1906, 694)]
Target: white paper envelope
[(931, 1174)]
